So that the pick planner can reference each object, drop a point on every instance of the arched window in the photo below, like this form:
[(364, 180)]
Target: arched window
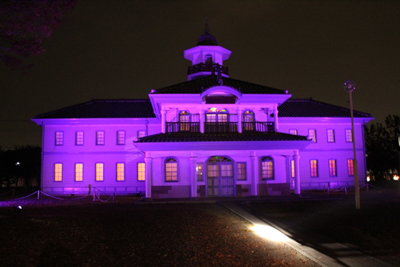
[(171, 170), (248, 120), (184, 121), (267, 168)]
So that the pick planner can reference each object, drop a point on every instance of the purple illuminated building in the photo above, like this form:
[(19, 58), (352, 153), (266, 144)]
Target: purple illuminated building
[(209, 136)]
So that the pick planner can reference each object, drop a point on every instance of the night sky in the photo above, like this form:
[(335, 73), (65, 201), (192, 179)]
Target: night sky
[(124, 48)]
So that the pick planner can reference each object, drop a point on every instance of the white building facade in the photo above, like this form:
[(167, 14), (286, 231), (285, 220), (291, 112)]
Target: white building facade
[(210, 136)]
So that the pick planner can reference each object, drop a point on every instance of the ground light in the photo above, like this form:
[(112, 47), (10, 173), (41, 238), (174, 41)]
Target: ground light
[(269, 232)]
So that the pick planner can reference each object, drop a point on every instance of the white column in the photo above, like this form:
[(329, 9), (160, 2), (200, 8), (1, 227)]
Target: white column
[(239, 119), (276, 118), (193, 177), (254, 170), (202, 119), (148, 175), (163, 119), (296, 159)]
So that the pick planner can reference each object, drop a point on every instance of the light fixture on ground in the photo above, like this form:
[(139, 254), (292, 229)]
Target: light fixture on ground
[(350, 86)]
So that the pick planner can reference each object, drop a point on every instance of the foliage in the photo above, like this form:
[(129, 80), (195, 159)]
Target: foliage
[(382, 145), (25, 23), (22, 162)]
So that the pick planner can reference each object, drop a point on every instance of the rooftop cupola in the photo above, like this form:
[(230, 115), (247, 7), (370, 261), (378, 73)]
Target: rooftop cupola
[(207, 57)]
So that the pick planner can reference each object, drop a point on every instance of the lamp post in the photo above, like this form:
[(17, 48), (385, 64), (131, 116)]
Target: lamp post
[(350, 86)]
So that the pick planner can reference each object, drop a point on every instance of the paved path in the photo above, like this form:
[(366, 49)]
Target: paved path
[(339, 254)]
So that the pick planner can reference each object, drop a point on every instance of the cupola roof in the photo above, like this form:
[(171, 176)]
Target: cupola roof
[(207, 39)]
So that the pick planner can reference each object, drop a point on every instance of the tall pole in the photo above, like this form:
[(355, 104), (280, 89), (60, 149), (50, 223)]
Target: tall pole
[(350, 86)]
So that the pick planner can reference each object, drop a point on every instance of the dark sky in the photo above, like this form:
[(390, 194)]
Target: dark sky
[(124, 48)]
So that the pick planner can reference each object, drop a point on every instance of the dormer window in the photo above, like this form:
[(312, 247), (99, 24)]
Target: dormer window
[(209, 59)]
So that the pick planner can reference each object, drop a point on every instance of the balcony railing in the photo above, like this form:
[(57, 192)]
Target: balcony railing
[(219, 127), (207, 67), (174, 127)]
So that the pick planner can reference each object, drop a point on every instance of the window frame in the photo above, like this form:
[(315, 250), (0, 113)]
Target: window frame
[(248, 125), (118, 172), (174, 178), (121, 136), (79, 138), (314, 172), (141, 172), (332, 168), (270, 173), (313, 136), (199, 172), (330, 135), (241, 172), (100, 138), (349, 138), (59, 138), (350, 167), (58, 172), (97, 171), (139, 133), (78, 172)]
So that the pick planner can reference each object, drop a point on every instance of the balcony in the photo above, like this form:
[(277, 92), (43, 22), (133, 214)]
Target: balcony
[(213, 67), (219, 127)]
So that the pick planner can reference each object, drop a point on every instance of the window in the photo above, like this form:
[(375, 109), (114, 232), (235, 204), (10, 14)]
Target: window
[(58, 172), (350, 167), (141, 171), (312, 134), (99, 172), (59, 138), (349, 136), (141, 133), (120, 137), (248, 120), (314, 167), (199, 171), (293, 131), (331, 135), (78, 172), (184, 121), (332, 167), (79, 138), (208, 59), (120, 171), (241, 171), (292, 169), (171, 170), (267, 168), (100, 138)]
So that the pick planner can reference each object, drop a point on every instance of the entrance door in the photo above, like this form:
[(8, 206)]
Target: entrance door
[(220, 181)]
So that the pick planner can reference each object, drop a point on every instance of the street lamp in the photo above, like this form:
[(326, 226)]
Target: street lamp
[(350, 86)]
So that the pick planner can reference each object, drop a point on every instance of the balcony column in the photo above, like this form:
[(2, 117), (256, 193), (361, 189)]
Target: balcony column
[(276, 118), (202, 119), (163, 119), (148, 175), (296, 159), (239, 119), (254, 171)]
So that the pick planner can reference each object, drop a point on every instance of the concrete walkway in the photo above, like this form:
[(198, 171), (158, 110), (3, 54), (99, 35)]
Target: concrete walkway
[(345, 255)]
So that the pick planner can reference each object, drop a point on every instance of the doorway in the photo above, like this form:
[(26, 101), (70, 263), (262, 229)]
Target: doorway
[(220, 179)]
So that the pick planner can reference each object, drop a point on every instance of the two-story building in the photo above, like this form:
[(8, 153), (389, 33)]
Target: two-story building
[(209, 136)]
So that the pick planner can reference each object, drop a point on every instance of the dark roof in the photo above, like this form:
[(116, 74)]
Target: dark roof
[(106, 108), (197, 86), (218, 137), (312, 108), (207, 39)]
